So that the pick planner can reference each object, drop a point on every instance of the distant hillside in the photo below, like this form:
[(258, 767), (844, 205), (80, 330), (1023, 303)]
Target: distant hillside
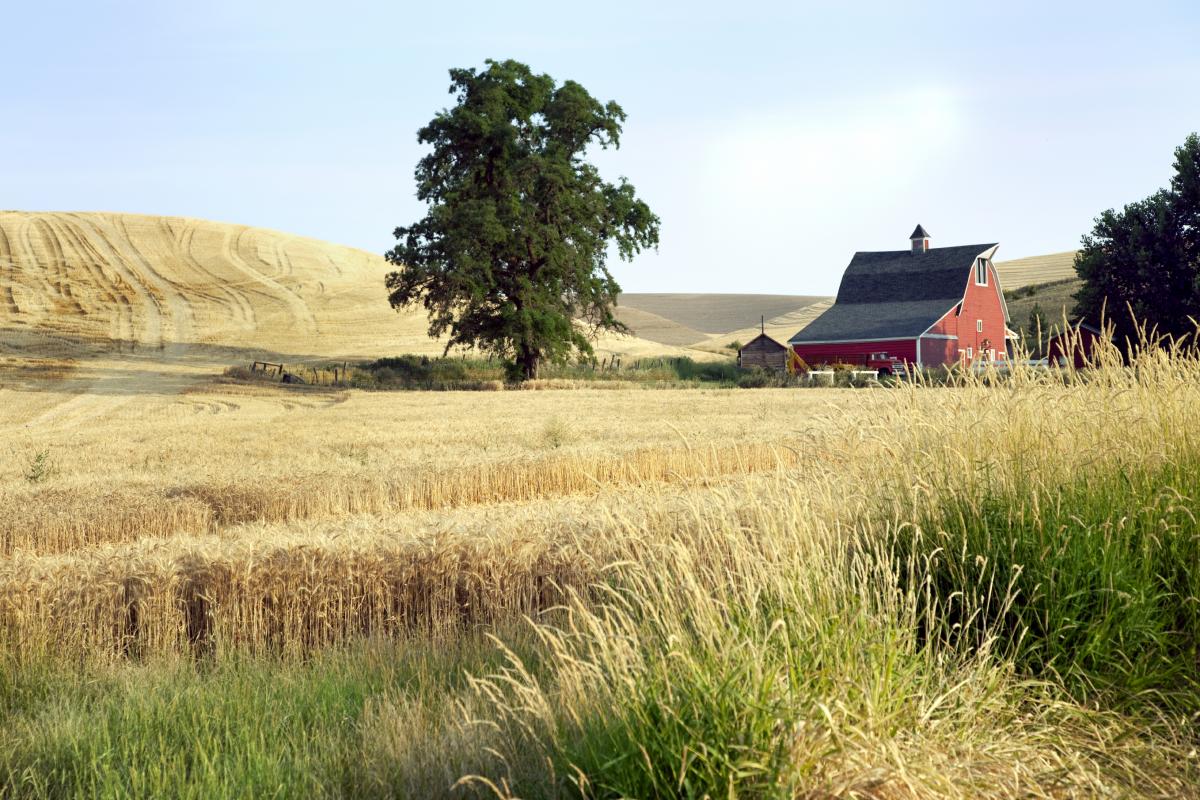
[(780, 328), (1036, 270), (1055, 300), (716, 313), (694, 319), (658, 329), (173, 282)]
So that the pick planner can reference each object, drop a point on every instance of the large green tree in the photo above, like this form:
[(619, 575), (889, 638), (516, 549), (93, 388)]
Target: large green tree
[(511, 256), (1146, 257)]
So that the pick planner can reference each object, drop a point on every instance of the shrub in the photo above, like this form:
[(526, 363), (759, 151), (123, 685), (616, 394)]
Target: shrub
[(40, 467), (756, 378)]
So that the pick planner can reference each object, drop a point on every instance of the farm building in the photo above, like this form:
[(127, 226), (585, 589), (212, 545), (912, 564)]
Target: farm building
[(1077, 345), (764, 352), (922, 306)]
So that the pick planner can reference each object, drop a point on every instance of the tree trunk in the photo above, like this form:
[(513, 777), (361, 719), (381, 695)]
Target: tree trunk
[(529, 359)]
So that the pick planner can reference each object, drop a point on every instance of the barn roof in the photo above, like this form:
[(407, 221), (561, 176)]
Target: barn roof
[(894, 294)]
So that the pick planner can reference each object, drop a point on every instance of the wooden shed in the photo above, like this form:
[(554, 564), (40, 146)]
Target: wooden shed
[(764, 352)]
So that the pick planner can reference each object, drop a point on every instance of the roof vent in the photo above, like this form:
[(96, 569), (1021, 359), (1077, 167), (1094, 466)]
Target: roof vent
[(920, 240)]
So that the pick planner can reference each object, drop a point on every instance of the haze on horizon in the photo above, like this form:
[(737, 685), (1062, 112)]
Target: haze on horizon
[(773, 139)]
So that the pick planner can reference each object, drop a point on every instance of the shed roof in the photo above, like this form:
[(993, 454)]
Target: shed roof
[(763, 340), (894, 294)]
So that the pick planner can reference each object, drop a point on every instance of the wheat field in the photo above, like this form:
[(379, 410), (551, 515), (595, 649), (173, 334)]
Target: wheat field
[(213, 587), (727, 556)]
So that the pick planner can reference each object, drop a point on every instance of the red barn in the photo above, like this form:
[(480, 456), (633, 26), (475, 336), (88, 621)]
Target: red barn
[(1078, 345), (922, 306)]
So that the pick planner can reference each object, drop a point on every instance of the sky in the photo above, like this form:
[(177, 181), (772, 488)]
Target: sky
[(773, 139)]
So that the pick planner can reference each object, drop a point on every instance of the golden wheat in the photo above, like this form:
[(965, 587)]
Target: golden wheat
[(242, 583)]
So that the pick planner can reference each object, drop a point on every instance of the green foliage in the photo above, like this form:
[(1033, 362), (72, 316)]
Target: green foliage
[(424, 372), (702, 722), (686, 369), (511, 256), (1036, 332), (759, 378), (1104, 574), (174, 734), (1145, 259), (40, 467), (242, 728)]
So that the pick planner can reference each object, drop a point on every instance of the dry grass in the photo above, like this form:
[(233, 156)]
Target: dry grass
[(135, 281), (58, 521), (709, 577), (461, 457), (1036, 269)]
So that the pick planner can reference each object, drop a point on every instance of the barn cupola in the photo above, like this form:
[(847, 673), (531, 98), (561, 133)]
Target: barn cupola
[(920, 240)]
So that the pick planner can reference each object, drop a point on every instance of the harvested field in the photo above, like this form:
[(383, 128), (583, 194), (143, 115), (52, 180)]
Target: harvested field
[(716, 313), (1021, 272), (129, 281), (1056, 301)]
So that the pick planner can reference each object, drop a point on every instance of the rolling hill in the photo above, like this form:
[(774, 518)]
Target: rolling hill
[(1033, 270), (1055, 299), (180, 284), (780, 328), (716, 313)]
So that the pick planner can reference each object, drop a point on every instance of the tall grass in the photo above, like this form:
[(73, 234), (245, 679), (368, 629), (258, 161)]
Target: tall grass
[(824, 671), (1103, 574), (984, 590), (243, 728)]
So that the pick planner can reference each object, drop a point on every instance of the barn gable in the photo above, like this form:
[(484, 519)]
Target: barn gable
[(894, 294)]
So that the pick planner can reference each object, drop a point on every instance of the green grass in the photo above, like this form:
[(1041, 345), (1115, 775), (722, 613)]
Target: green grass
[(408, 372), (1103, 573), (242, 728)]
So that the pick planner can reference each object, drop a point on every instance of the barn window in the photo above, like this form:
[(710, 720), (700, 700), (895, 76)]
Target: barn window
[(978, 322), (970, 352), (980, 272)]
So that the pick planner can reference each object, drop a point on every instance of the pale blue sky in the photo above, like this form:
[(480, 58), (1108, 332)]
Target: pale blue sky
[(773, 139)]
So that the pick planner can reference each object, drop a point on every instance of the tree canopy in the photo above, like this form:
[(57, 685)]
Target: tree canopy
[(1146, 257), (511, 256)]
